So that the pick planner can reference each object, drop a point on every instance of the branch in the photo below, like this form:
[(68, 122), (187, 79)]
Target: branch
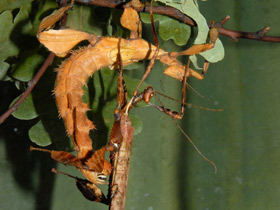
[(176, 14), (118, 185)]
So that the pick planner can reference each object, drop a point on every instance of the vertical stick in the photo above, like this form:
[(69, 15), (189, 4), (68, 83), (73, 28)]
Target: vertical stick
[(121, 164)]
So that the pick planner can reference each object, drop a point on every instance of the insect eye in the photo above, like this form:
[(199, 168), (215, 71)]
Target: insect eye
[(102, 177)]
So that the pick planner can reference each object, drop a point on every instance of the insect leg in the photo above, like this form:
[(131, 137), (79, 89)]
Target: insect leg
[(152, 61), (63, 157), (174, 114)]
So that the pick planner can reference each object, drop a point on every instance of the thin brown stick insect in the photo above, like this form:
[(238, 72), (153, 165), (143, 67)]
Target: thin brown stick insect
[(148, 93), (118, 180)]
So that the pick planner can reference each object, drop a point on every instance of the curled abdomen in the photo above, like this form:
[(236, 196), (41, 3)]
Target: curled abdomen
[(74, 72)]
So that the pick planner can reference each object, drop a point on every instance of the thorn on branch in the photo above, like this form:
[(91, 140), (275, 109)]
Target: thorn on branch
[(262, 33), (220, 23), (223, 21)]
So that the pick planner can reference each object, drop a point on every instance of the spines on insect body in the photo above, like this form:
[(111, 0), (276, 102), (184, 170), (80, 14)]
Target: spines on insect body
[(73, 74)]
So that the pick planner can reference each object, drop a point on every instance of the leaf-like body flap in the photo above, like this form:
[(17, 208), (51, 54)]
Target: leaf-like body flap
[(62, 41)]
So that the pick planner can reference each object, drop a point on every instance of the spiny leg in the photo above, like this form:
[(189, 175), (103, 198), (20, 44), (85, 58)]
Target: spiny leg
[(65, 158)]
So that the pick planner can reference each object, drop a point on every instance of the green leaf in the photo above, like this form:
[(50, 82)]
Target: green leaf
[(110, 27), (24, 71), (173, 29), (170, 28), (87, 20), (194, 61), (46, 8), (22, 21), (17, 35), (26, 110), (11, 34), (216, 54), (12, 4), (145, 17), (3, 70), (7, 47), (191, 9), (39, 136)]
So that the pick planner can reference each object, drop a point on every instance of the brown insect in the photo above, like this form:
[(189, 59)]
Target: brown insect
[(73, 73)]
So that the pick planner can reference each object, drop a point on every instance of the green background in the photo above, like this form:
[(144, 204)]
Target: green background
[(166, 172)]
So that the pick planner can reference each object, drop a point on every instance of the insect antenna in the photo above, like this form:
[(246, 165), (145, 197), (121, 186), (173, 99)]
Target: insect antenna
[(188, 104), (195, 147), (194, 90), (189, 139)]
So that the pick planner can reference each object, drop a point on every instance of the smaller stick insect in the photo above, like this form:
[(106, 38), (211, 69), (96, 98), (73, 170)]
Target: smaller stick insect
[(119, 177), (148, 93)]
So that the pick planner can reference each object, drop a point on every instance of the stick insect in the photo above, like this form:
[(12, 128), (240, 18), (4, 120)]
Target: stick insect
[(73, 74)]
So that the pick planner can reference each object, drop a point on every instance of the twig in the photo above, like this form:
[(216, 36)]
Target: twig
[(31, 84), (176, 14), (119, 182), (235, 35)]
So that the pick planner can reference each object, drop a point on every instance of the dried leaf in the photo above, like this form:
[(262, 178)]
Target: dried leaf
[(62, 41), (50, 20), (130, 19)]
